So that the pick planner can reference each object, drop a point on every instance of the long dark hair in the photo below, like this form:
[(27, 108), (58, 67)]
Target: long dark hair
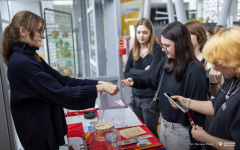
[(184, 53), (26, 19)]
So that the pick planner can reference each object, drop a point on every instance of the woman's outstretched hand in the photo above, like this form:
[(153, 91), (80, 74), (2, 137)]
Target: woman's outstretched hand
[(111, 89), (127, 82), (107, 87)]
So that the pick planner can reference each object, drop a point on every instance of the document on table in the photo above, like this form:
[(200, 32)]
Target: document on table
[(132, 132), (74, 119)]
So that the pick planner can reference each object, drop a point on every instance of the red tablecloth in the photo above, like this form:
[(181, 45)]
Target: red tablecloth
[(76, 130)]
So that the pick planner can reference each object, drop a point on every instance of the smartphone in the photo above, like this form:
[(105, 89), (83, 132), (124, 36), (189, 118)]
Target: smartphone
[(176, 102), (129, 141)]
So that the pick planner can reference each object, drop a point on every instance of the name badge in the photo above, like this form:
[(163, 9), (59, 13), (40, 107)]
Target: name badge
[(224, 106)]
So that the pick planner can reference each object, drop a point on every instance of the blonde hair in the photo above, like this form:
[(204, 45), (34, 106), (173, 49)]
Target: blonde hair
[(152, 39), (223, 49)]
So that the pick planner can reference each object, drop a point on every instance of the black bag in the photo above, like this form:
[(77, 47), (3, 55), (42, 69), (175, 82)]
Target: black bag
[(153, 107)]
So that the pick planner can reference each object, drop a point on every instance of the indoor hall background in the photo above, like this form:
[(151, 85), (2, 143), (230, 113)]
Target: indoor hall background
[(110, 12)]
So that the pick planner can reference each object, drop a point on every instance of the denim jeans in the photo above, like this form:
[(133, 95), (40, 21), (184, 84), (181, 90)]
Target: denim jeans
[(141, 109), (174, 136)]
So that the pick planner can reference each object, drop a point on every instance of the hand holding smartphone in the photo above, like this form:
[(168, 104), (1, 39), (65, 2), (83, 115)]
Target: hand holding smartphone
[(176, 102), (181, 107)]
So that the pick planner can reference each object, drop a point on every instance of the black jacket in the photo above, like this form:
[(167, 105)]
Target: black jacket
[(136, 68)]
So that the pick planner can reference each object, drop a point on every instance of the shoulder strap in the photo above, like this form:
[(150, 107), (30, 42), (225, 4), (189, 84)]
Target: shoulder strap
[(156, 96), (205, 63)]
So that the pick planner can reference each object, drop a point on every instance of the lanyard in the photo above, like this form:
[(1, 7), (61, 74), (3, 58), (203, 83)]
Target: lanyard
[(191, 121)]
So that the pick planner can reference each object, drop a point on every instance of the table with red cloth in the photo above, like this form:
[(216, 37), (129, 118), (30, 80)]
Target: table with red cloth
[(76, 130)]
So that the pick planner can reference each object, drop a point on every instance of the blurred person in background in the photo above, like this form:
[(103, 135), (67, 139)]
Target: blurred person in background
[(209, 32), (199, 38), (218, 28)]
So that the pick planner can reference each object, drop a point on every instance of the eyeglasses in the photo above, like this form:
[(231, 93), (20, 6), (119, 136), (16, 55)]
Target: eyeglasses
[(40, 32), (165, 48)]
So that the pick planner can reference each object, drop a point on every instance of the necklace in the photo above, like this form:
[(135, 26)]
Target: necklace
[(143, 52), (228, 94)]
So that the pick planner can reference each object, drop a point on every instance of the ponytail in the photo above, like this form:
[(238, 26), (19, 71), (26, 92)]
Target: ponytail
[(7, 44), (26, 19)]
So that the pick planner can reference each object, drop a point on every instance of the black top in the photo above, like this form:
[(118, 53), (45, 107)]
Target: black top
[(192, 85), (226, 123), (136, 68), (204, 62), (38, 95)]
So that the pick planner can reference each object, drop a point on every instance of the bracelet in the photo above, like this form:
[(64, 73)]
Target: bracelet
[(188, 103), (212, 83)]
